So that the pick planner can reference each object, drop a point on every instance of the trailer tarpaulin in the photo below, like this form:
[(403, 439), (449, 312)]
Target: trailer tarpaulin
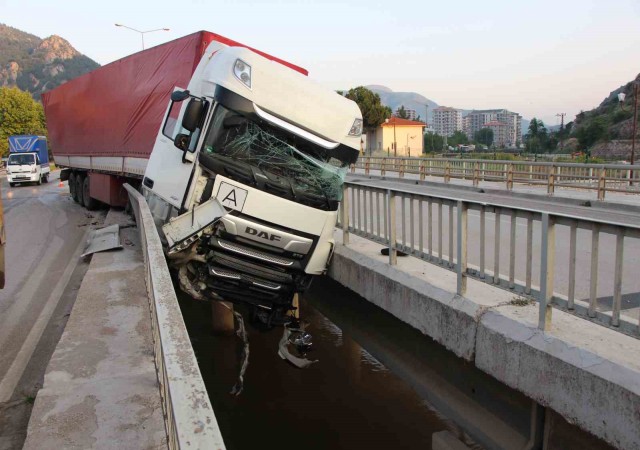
[(116, 110)]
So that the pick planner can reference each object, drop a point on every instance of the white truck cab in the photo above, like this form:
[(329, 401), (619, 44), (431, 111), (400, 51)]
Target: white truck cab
[(26, 168), (28, 160), (246, 176)]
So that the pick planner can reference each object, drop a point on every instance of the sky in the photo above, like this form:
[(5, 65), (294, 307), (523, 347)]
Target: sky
[(537, 58)]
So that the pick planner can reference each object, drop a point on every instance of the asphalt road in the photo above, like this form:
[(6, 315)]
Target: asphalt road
[(45, 233), (625, 215)]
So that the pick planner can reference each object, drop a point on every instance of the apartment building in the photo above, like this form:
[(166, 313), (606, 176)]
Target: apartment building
[(411, 113), (478, 119), (501, 133), (446, 120)]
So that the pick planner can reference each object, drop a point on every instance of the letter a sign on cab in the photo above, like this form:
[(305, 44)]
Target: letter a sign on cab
[(231, 196)]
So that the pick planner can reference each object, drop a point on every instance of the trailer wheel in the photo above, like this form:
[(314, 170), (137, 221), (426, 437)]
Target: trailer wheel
[(79, 187), (72, 187), (89, 202)]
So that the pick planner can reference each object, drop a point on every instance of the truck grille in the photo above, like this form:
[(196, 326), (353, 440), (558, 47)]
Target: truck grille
[(251, 253)]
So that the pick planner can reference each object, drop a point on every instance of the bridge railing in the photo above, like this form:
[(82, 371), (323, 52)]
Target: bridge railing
[(189, 417), (415, 224), (600, 178)]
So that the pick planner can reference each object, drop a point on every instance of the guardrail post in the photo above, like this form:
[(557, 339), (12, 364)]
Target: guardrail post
[(447, 172), (510, 177), (391, 211), (383, 169), (462, 248), (547, 267), (476, 173), (367, 165), (422, 174), (353, 168), (551, 183), (617, 279), (344, 217), (403, 163), (602, 183)]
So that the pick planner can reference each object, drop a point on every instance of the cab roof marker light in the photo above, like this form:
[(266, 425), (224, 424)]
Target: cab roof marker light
[(356, 128), (294, 129), (242, 71)]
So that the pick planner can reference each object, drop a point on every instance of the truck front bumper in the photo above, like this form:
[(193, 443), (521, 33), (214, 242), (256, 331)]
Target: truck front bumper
[(22, 177)]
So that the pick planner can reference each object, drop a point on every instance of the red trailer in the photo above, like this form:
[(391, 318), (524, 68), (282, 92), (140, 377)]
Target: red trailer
[(102, 126)]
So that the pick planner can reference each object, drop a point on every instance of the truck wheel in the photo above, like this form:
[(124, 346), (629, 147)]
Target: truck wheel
[(39, 182), (72, 186), (45, 179), (12, 184), (89, 202), (79, 187)]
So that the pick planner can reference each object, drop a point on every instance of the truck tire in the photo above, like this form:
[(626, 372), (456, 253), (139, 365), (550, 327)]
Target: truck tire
[(45, 179), (89, 202), (12, 184), (72, 186), (39, 182), (79, 187)]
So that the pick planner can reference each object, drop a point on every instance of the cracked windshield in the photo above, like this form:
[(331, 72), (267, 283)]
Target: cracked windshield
[(276, 152)]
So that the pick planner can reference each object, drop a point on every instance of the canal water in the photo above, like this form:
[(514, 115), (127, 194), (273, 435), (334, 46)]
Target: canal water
[(378, 384), (347, 400)]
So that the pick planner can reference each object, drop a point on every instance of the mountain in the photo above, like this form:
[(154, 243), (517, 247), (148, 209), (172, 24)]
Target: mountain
[(36, 65), (608, 128), (410, 100)]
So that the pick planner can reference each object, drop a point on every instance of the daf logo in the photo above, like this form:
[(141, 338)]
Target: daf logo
[(262, 234)]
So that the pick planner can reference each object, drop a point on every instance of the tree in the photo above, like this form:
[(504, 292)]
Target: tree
[(433, 142), (402, 112), (591, 133), (458, 138), (484, 136), (537, 138), (19, 114), (373, 111)]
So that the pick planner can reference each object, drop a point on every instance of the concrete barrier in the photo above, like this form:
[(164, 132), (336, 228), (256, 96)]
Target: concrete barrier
[(587, 373), (189, 416)]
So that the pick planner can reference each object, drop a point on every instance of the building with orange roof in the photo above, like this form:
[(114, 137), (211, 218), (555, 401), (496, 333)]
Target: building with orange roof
[(407, 135)]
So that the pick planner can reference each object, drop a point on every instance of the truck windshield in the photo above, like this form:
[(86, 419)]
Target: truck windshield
[(275, 153), (21, 159)]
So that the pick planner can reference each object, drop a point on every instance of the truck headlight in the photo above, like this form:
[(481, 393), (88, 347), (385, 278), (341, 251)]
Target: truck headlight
[(356, 128), (34, 170), (242, 71)]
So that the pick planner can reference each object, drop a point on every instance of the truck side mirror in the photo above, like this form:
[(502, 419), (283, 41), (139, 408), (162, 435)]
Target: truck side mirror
[(192, 114), (178, 96)]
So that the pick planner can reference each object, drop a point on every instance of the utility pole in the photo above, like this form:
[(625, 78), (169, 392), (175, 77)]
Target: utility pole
[(561, 115), (635, 123)]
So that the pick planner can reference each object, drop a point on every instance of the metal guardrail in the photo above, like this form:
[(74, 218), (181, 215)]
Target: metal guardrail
[(189, 417), (372, 213), (601, 178)]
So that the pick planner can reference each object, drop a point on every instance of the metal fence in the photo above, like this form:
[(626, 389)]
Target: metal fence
[(600, 178), (189, 417), (436, 229)]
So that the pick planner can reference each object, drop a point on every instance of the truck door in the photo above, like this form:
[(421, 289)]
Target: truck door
[(171, 163)]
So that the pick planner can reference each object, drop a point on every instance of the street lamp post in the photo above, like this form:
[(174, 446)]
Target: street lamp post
[(409, 148), (142, 33), (621, 97)]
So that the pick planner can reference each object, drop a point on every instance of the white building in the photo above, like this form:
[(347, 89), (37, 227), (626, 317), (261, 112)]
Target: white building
[(446, 120), (478, 119), (411, 113)]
